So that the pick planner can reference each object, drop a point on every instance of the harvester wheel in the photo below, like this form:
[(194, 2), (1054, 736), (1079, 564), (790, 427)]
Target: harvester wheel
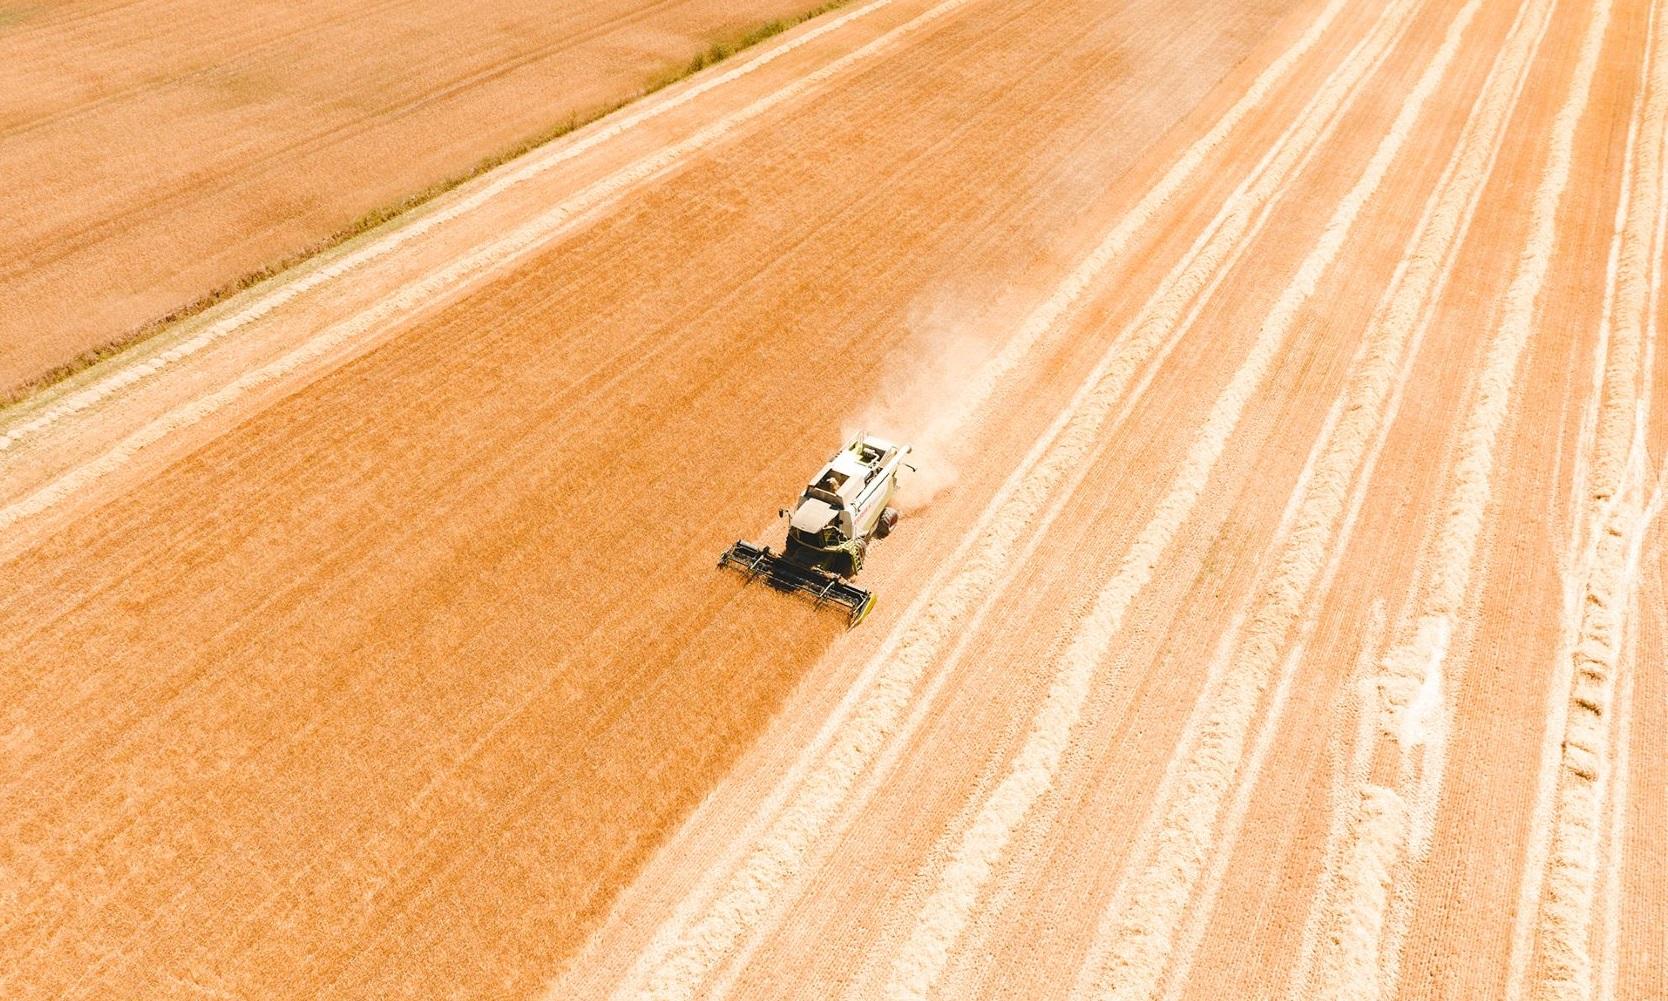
[(888, 519)]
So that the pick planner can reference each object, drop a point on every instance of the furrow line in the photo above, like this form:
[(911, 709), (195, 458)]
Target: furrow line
[(1246, 782), (1414, 287), (1014, 875)]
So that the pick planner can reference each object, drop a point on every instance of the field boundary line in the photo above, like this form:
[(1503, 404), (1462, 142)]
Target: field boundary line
[(867, 679), (422, 293), (406, 227), (413, 202)]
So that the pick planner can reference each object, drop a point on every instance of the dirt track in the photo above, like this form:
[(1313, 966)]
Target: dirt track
[(1289, 622), (157, 151)]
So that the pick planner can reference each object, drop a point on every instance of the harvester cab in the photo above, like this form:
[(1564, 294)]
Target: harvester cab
[(845, 506)]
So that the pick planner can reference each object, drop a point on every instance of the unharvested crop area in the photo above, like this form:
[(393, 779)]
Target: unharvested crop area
[(1278, 613)]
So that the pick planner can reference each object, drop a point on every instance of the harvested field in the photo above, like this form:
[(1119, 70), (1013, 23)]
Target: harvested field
[(1278, 612)]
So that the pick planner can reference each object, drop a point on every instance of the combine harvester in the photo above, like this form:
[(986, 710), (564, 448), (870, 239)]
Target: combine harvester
[(843, 508)]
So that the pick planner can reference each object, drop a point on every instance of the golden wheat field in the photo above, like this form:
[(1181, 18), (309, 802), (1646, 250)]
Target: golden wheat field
[(1279, 607), (160, 152)]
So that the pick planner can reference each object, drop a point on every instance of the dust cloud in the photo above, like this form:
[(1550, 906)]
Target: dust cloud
[(927, 397)]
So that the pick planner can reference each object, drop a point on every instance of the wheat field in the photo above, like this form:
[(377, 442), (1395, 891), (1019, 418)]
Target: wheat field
[(1278, 610)]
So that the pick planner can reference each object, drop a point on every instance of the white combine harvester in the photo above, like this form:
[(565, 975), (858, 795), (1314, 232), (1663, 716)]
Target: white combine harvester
[(843, 508)]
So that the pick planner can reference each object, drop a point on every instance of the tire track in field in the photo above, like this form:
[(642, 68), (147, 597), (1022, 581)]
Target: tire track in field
[(1616, 850), (1575, 560), (942, 919), (475, 196), (1614, 513), (688, 949), (1392, 819), (422, 292), (1564, 932)]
